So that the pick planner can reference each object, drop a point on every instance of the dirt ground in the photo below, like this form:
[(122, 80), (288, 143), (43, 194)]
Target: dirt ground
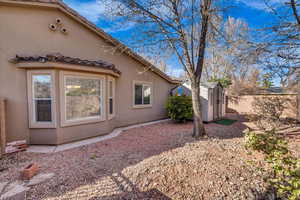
[(160, 161)]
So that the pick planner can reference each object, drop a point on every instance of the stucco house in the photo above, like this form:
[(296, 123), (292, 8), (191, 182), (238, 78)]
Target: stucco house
[(64, 79)]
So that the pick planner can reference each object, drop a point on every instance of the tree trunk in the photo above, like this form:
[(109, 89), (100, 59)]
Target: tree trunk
[(199, 129)]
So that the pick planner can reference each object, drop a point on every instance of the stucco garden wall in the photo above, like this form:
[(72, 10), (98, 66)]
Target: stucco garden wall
[(244, 104)]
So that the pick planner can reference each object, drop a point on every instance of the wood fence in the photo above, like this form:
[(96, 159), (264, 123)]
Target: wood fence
[(2, 127)]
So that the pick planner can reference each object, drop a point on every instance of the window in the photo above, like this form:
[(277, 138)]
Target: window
[(142, 94), (41, 99), (111, 96), (82, 99)]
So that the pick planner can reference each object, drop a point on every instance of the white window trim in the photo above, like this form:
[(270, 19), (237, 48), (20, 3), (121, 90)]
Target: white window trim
[(109, 78), (133, 94), (88, 120), (31, 108)]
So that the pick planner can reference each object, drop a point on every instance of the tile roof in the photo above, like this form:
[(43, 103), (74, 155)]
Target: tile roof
[(59, 58)]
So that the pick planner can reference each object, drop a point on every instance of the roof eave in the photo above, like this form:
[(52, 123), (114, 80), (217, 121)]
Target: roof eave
[(75, 15), (65, 66)]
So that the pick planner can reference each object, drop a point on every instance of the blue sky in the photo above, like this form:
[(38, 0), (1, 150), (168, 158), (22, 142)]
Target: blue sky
[(254, 12)]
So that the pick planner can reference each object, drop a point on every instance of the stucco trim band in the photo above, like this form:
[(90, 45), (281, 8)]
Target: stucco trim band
[(53, 65)]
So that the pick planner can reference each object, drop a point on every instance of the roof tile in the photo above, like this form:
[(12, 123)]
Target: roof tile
[(59, 58)]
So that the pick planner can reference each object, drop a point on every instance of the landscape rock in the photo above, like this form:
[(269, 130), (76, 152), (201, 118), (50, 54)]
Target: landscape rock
[(160, 161)]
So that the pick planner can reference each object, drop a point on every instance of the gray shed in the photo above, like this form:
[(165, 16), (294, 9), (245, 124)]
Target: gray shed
[(212, 99)]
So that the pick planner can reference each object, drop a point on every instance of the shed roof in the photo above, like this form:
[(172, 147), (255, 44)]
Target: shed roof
[(108, 38), (210, 84)]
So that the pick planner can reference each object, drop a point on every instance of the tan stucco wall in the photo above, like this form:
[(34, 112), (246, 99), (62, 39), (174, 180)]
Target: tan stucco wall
[(24, 31), (244, 104)]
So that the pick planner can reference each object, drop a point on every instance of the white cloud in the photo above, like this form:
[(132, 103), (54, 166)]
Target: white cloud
[(93, 10), (174, 72), (96, 10)]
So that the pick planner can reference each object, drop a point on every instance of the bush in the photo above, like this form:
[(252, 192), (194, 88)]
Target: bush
[(284, 176), (269, 111), (180, 108)]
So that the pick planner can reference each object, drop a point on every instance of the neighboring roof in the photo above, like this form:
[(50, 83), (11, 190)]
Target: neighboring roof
[(274, 90), (59, 58), (210, 84), (182, 85), (206, 85), (203, 84), (66, 9)]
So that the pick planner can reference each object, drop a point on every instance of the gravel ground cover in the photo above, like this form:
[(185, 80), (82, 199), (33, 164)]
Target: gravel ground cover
[(160, 161)]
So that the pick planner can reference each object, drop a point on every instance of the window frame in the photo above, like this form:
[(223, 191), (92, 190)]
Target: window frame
[(113, 97), (143, 83), (64, 122), (31, 104)]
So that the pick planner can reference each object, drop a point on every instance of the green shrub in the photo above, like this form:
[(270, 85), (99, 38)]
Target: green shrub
[(284, 174), (180, 108)]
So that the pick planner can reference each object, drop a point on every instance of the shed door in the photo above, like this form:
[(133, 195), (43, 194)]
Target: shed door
[(217, 105), (220, 101)]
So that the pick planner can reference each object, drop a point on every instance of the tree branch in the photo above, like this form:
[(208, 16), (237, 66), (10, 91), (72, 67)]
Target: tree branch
[(183, 39), (205, 13), (294, 8)]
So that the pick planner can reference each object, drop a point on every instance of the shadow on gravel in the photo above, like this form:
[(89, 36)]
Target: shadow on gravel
[(130, 191), (269, 194), (95, 171)]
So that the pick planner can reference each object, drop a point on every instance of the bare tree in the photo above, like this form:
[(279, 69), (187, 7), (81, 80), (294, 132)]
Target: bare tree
[(224, 50), (178, 25), (249, 85), (157, 61), (281, 44), (294, 5), (232, 58)]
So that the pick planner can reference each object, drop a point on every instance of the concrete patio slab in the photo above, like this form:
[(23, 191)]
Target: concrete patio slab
[(13, 191), (40, 178), (41, 148), (63, 147)]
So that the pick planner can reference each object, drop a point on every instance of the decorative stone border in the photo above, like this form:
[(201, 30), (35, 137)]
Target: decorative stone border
[(116, 132)]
